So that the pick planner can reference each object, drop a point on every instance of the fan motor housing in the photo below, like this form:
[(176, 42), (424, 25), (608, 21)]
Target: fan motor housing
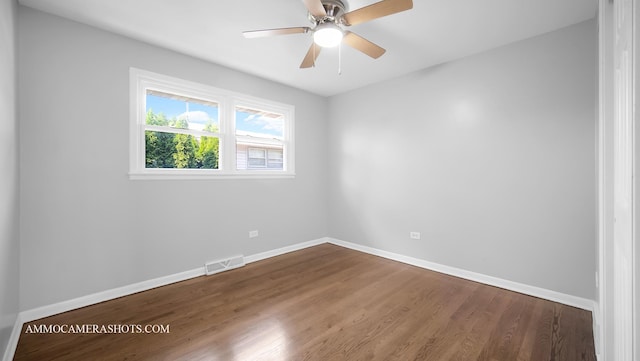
[(334, 9)]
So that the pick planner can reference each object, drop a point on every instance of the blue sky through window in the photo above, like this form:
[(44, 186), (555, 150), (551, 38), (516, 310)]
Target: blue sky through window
[(259, 124), (198, 114)]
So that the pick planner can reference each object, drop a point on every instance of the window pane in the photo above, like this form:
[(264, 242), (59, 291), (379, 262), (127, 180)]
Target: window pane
[(256, 153), (256, 163), (171, 150), (159, 150), (260, 158), (256, 158), (176, 111), (259, 123), (275, 159), (259, 136), (275, 154)]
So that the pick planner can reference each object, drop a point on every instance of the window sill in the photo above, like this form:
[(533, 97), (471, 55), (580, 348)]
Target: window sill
[(185, 175)]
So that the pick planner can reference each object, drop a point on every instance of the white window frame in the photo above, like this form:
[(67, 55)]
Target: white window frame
[(141, 80)]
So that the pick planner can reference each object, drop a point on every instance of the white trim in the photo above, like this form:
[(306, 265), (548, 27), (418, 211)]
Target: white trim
[(50, 310), (10, 351), (64, 306), (596, 315), (54, 309), (280, 251), (186, 175), (554, 296), (194, 132), (605, 179), (635, 267)]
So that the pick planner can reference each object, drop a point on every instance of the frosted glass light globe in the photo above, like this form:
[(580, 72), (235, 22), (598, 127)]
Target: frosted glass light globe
[(327, 35)]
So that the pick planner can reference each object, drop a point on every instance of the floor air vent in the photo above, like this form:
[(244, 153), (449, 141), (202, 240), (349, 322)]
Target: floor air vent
[(223, 265)]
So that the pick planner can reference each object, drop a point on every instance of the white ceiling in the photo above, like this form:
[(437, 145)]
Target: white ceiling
[(433, 32)]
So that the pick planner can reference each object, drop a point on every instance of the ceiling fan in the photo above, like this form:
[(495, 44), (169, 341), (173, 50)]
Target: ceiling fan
[(329, 17)]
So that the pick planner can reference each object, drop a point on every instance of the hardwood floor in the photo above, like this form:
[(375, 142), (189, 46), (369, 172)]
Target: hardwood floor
[(322, 303)]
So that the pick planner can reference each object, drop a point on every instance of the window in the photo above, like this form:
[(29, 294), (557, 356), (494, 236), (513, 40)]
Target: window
[(182, 130), (258, 158)]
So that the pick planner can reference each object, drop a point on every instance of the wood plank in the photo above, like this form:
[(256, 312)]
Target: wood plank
[(323, 303)]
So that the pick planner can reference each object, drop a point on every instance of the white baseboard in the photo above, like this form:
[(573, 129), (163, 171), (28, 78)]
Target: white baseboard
[(54, 309), (283, 250), (88, 300), (597, 329), (50, 310), (13, 339), (554, 296)]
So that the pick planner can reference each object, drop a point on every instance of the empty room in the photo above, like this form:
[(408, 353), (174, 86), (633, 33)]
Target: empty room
[(319, 180)]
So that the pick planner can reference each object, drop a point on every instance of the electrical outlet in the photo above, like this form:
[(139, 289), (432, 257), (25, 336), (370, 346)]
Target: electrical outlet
[(414, 235), (253, 234)]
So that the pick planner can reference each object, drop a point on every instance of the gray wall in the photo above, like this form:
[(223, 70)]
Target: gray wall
[(9, 246), (85, 226), (491, 158)]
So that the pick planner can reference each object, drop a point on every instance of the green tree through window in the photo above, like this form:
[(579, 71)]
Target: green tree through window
[(177, 150)]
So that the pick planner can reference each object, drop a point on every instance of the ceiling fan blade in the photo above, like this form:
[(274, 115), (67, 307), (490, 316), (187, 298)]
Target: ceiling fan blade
[(272, 32), (377, 10), (315, 8), (312, 55), (359, 43)]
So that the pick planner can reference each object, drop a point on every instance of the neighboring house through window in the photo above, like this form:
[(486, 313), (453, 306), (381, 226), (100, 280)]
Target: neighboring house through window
[(259, 158)]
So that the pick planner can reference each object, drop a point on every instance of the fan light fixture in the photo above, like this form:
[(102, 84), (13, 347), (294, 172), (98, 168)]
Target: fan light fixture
[(329, 19), (327, 35)]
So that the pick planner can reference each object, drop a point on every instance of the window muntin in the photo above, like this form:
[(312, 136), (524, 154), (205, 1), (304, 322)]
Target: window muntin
[(186, 130)]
